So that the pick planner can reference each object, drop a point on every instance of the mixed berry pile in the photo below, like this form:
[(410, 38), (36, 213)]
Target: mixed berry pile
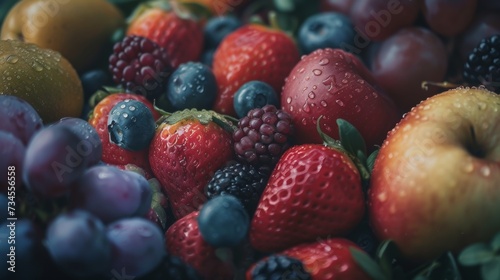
[(233, 140)]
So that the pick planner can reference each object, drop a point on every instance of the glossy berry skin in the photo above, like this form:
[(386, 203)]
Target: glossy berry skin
[(254, 94), (111, 153), (192, 86), (184, 154), (140, 65), (176, 269), (19, 118), (223, 221), (94, 80), (110, 193), (217, 28), (11, 154), (182, 38), (78, 244), (314, 188), (250, 53), (54, 161), (278, 267), (334, 256), (241, 180), (326, 30), (183, 239), (89, 138), (335, 84), (137, 246), (131, 125)]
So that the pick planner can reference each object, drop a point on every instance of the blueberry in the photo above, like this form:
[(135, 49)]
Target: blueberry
[(326, 30), (223, 221), (207, 57), (131, 125), (94, 80), (19, 118), (192, 86), (254, 94), (217, 28)]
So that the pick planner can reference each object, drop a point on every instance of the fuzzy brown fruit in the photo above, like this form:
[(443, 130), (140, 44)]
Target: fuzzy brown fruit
[(78, 29), (41, 77)]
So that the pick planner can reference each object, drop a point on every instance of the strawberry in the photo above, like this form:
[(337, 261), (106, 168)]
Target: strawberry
[(112, 153), (184, 240), (328, 259), (335, 84), (181, 37), (252, 52), (314, 191), (187, 149)]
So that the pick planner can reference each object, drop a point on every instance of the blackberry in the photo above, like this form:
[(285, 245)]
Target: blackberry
[(262, 136), (279, 267), (483, 64), (140, 65), (243, 181)]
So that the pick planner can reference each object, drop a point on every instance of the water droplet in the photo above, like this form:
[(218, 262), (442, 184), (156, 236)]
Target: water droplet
[(37, 66), (382, 197), (317, 72), (304, 121), (344, 81), (315, 87), (307, 78), (324, 61), (485, 170), (426, 107), (123, 106), (311, 95), (306, 108), (390, 155), (200, 89), (347, 75), (375, 95), (288, 100), (482, 105), (125, 115), (338, 101), (12, 59), (131, 108), (301, 70), (323, 103), (357, 108)]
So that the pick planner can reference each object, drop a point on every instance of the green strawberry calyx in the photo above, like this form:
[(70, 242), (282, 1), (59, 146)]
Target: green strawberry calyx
[(203, 116), (353, 145)]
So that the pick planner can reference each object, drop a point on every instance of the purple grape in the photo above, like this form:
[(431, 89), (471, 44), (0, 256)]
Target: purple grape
[(11, 162), (89, 139), (111, 193), (138, 246), (54, 161), (26, 240), (78, 244), (19, 118)]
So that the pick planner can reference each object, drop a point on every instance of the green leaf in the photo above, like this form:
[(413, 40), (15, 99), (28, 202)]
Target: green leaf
[(370, 161), (350, 137), (443, 268), (368, 264), (475, 254), (495, 243), (491, 270), (387, 254)]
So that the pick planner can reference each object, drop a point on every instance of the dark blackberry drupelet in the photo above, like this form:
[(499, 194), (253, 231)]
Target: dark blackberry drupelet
[(140, 66), (262, 136), (279, 267), (483, 64), (242, 180)]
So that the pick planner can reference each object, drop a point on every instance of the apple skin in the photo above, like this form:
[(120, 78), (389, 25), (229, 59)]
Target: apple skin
[(428, 192)]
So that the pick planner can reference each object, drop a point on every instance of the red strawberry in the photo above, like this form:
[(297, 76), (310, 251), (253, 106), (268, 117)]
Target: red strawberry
[(335, 84), (182, 38), (187, 149), (328, 259), (111, 153), (253, 52), (314, 191), (184, 240)]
